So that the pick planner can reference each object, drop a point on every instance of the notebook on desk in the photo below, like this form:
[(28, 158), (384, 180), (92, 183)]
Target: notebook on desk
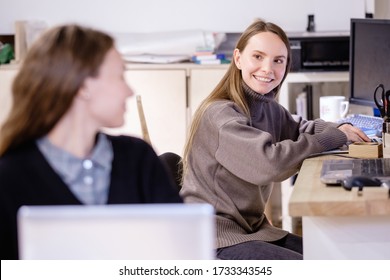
[(335, 170), (137, 232)]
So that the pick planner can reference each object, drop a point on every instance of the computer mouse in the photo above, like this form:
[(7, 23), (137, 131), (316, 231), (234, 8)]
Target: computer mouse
[(360, 182)]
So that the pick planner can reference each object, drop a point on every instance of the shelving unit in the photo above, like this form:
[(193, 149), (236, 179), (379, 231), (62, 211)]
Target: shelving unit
[(324, 83)]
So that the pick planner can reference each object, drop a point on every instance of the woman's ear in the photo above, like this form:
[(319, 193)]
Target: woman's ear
[(85, 90), (237, 58)]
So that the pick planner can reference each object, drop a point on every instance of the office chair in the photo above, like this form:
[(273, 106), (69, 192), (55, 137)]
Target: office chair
[(171, 161), (174, 166)]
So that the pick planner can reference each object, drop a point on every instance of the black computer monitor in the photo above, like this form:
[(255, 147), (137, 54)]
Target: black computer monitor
[(369, 59)]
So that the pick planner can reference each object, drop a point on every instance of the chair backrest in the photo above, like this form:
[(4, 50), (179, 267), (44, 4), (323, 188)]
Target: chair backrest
[(144, 126), (171, 161), (174, 166)]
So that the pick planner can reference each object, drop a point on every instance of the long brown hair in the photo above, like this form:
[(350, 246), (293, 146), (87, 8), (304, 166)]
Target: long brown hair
[(230, 86), (50, 77)]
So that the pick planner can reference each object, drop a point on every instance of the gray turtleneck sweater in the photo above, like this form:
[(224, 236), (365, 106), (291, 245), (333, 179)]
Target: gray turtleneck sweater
[(235, 159)]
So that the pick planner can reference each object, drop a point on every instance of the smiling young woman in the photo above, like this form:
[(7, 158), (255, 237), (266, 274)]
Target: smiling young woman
[(241, 141)]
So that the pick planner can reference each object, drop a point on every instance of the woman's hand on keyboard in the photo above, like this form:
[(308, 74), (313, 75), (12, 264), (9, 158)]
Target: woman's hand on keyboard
[(353, 133)]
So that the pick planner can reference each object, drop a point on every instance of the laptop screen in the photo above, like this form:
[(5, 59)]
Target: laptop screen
[(138, 231)]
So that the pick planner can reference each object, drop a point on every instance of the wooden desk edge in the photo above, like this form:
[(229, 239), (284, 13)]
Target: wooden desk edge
[(310, 197)]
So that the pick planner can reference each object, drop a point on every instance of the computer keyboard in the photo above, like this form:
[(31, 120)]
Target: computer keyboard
[(375, 167), (371, 125)]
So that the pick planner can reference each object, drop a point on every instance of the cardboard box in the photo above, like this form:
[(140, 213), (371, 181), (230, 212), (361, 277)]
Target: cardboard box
[(366, 150)]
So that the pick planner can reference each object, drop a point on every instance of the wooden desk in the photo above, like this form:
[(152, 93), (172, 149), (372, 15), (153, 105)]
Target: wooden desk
[(339, 224)]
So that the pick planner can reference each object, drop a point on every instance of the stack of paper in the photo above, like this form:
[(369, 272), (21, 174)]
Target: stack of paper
[(165, 47), (151, 58)]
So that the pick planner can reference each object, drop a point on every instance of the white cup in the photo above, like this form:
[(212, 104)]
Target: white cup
[(333, 108)]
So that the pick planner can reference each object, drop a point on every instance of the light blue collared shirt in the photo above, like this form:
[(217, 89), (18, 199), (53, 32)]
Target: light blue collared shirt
[(87, 178)]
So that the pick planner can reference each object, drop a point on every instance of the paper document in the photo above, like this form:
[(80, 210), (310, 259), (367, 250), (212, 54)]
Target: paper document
[(145, 58), (175, 43)]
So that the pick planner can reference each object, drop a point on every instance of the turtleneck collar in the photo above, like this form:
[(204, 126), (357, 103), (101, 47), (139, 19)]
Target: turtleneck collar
[(254, 97)]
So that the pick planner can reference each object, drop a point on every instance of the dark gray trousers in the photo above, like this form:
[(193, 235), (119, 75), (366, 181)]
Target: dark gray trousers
[(288, 248)]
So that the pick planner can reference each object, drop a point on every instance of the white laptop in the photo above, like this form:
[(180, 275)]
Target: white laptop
[(137, 231)]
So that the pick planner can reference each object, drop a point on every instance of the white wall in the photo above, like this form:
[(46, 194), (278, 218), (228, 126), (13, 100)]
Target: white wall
[(170, 15)]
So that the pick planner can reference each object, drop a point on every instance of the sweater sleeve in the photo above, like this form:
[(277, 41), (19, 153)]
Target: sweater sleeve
[(253, 154), (326, 133), (311, 126)]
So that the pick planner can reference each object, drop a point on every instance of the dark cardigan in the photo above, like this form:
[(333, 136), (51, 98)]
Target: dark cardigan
[(26, 178)]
